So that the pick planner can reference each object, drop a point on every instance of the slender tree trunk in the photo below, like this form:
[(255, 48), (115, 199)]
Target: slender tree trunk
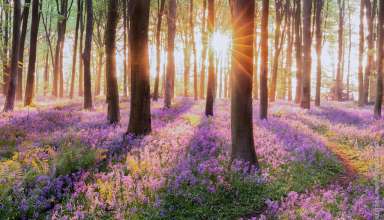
[(24, 27), (74, 57), (339, 78), (361, 100), (125, 33), (110, 49), (380, 60), (256, 58), (307, 59), (87, 57), (299, 52), (46, 74), (81, 61), (10, 98), (32, 53), (289, 53), (319, 44), (194, 51), (211, 65), (140, 115), (370, 53), (99, 70), (275, 65), (204, 50), (170, 54), (264, 61), (5, 60), (243, 148)]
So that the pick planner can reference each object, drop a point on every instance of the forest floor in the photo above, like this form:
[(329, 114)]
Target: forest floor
[(60, 161)]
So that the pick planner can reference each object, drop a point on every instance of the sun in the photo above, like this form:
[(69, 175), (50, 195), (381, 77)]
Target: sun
[(221, 42)]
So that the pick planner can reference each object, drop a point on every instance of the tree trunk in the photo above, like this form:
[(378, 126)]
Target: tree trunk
[(32, 53), (275, 66), (5, 48), (46, 74), (87, 57), (264, 61), (307, 59), (370, 54), (319, 44), (289, 52), (299, 52), (140, 115), (211, 64), (243, 148), (110, 49), (74, 57), (24, 27), (194, 51), (169, 87), (361, 100), (125, 49), (158, 49), (204, 50), (81, 61), (339, 78), (99, 70), (380, 60), (10, 99)]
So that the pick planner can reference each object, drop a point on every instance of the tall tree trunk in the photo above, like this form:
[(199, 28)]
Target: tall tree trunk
[(319, 44), (46, 73), (370, 54), (194, 51), (211, 64), (299, 52), (10, 99), (125, 49), (361, 100), (170, 54), (140, 115), (99, 70), (380, 60), (24, 27), (289, 52), (110, 49), (204, 40), (307, 59), (243, 148), (278, 20), (264, 61), (81, 61), (5, 45), (256, 58), (74, 57), (32, 53), (87, 57), (158, 48), (339, 78)]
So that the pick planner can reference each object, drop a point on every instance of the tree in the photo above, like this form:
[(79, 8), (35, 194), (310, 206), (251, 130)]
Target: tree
[(339, 74), (140, 115), (380, 60), (307, 59), (264, 61), (370, 16), (290, 42), (87, 57), (211, 65), (299, 51), (158, 52), (278, 46), (32, 53), (242, 69), (319, 44), (5, 51), (24, 16), (110, 50), (74, 57), (193, 42), (10, 98), (125, 49), (361, 100), (81, 61), (204, 40), (170, 75)]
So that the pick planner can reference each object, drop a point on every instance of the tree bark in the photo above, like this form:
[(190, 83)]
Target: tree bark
[(307, 59), (243, 148), (361, 100), (170, 76), (380, 60), (74, 57), (32, 53), (125, 49), (299, 52), (194, 51), (204, 40), (24, 27), (211, 62), (81, 61), (110, 49), (140, 115), (339, 79), (10, 98), (87, 57), (289, 52), (370, 53), (319, 44), (5, 48), (264, 61)]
